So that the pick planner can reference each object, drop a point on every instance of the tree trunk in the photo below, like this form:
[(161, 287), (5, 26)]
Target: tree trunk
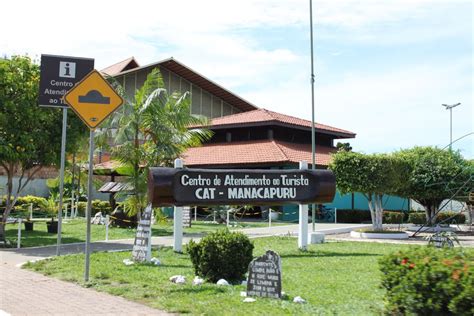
[(470, 213), (378, 212), (8, 206), (431, 213), (373, 211)]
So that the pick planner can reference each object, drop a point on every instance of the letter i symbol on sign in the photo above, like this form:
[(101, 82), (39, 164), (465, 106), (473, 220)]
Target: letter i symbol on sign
[(67, 69), (67, 74)]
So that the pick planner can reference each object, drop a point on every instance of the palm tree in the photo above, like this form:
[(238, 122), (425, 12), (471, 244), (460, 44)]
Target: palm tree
[(152, 129)]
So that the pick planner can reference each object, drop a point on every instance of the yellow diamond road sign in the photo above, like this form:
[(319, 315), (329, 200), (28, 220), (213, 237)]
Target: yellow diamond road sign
[(93, 99)]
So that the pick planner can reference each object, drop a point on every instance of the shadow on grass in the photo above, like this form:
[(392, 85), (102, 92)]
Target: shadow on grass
[(206, 289), (157, 232), (310, 254)]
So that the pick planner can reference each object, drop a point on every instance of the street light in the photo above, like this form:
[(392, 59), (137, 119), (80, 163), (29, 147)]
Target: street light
[(450, 108)]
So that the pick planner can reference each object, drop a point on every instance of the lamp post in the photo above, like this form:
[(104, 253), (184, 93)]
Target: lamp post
[(450, 108), (313, 132)]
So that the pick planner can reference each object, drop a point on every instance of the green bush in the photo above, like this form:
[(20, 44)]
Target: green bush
[(221, 255), (393, 217), (417, 218), (97, 206), (420, 218), (353, 216), (457, 218), (25, 201), (429, 281), (101, 206)]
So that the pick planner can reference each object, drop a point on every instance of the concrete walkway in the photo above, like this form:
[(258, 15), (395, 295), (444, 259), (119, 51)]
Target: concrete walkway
[(18, 256), (24, 292)]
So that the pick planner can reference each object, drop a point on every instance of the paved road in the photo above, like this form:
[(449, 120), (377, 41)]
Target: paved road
[(24, 292)]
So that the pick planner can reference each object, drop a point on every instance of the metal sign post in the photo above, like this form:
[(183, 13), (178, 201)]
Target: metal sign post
[(89, 205), (93, 100), (58, 74), (61, 182)]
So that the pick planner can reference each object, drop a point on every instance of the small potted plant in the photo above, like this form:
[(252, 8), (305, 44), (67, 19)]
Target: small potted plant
[(50, 207), (52, 226), (28, 224)]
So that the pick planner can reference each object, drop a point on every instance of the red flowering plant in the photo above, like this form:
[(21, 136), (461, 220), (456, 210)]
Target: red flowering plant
[(429, 281)]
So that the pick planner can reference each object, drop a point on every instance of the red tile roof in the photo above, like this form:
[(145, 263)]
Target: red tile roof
[(257, 152), (123, 65), (263, 115)]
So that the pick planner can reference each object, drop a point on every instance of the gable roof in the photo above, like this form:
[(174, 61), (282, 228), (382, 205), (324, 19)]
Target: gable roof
[(256, 153), (190, 75), (127, 64), (266, 117)]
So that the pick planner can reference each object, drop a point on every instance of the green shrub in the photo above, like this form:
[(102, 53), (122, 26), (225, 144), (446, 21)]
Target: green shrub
[(393, 217), (457, 218), (221, 255), (420, 218), (353, 216), (101, 206), (417, 218), (429, 281), (97, 206)]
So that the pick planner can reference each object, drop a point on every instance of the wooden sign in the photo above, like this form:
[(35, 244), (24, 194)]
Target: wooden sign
[(179, 187), (264, 277)]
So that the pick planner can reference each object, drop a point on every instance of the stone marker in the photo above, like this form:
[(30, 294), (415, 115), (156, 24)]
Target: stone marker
[(264, 277), (186, 216), (141, 246)]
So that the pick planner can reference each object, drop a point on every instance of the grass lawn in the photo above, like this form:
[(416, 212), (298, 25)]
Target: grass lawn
[(74, 231), (335, 278)]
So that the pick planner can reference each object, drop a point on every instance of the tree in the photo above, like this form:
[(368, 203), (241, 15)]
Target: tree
[(372, 175), (433, 175), (343, 146), (30, 136), (152, 129)]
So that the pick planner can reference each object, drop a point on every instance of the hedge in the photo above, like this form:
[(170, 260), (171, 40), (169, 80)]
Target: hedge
[(420, 218), (393, 217), (97, 206), (429, 281)]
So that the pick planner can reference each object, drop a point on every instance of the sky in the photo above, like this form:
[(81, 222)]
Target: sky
[(383, 68)]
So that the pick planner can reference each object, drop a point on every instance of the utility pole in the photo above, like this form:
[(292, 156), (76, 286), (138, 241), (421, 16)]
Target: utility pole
[(450, 108), (313, 132)]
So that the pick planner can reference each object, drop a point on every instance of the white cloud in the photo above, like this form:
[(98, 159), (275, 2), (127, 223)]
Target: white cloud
[(388, 110)]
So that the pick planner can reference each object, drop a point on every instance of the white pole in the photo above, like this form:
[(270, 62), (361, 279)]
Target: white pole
[(65, 211), (89, 205), (30, 208), (270, 218), (61, 181), (148, 253), (228, 219), (335, 215), (195, 213), (72, 205), (18, 243), (107, 220), (214, 216), (178, 219), (303, 218)]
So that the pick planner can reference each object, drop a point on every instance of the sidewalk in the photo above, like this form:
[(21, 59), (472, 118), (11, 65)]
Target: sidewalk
[(17, 256), (24, 292), (27, 293)]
